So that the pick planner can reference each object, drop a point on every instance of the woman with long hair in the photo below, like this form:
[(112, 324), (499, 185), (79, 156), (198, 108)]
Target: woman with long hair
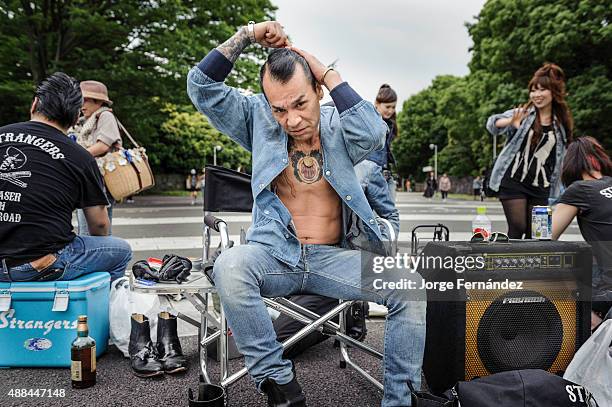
[(385, 104), (527, 171), (587, 175)]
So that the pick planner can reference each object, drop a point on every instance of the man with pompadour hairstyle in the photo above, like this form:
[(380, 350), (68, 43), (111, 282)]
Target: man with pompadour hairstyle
[(307, 203)]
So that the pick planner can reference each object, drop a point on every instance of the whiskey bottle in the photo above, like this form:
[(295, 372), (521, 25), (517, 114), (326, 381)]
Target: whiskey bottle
[(83, 357)]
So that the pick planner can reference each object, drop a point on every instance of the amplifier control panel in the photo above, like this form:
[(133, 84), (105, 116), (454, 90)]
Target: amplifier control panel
[(518, 261)]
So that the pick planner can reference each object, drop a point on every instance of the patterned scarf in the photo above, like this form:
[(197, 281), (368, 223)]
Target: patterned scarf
[(84, 129)]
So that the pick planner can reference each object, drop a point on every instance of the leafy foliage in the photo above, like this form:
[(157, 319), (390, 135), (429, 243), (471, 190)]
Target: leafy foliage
[(142, 51), (187, 140)]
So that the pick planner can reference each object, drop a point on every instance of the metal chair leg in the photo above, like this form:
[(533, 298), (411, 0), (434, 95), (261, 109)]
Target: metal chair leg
[(203, 333)]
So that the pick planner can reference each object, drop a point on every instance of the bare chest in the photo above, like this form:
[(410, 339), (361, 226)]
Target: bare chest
[(302, 184)]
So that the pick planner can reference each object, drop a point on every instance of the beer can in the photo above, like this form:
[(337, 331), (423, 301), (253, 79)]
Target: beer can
[(541, 223)]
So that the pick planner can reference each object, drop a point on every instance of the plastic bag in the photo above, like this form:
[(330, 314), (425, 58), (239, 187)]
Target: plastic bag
[(592, 365), (123, 303)]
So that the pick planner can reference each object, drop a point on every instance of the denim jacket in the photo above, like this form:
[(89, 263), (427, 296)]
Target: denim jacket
[(514, 141), (376, 190), (348, 134)]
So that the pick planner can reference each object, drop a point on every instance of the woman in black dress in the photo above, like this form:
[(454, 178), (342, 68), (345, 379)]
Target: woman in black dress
[(430, 186)]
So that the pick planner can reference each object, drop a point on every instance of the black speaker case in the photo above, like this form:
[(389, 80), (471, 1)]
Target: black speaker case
[(444, 362)]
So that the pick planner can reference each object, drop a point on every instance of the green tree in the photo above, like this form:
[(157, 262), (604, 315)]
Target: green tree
[(419, 125), (190, 137), (142, 50), (512, 38)]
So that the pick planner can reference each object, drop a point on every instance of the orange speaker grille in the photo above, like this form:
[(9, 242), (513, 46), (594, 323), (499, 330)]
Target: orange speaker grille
[(518, 329)]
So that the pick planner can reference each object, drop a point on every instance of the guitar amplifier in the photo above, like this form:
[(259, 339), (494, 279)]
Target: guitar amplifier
[(520, 305)]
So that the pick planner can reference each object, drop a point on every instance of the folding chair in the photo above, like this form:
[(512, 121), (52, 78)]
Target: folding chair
[(230, 191), (440, 232)]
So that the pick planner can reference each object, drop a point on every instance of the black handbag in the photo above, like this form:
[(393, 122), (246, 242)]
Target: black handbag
[(529, 387)]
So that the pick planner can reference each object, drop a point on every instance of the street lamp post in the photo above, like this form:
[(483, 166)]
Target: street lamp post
[(494, 147), (435, 148), (217, 148)]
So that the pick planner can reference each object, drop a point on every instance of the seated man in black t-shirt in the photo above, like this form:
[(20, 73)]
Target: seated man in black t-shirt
[(44, 177), (587, 173)]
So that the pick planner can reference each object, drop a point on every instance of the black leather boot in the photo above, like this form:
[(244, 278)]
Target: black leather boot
[(141, 349), (168, 344), (284, 395)]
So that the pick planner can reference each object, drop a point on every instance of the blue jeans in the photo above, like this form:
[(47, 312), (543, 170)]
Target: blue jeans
[(392, 188), (84, 255), (245, 273)]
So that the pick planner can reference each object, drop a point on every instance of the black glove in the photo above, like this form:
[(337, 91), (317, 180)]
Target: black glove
[(143, 271), (175, 268)]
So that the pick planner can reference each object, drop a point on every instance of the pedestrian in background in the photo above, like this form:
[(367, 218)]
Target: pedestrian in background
[(385, 104), (445, 186), (477, 187), (203, 181), (191, 184), (431, 185)]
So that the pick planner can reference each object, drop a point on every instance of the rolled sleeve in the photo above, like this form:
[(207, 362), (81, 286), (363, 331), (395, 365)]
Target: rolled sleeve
[(344, 97), (496, 131), (216, 66)]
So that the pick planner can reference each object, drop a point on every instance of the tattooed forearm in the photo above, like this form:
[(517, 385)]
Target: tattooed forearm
[(233, 47)]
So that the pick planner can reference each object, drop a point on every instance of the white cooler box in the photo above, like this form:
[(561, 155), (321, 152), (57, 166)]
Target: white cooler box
[(38, 320)]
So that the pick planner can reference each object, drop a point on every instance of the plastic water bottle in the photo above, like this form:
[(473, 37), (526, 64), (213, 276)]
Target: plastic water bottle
[(481, 223)]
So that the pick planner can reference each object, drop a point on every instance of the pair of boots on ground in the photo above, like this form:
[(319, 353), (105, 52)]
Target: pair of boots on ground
[(166, 356)]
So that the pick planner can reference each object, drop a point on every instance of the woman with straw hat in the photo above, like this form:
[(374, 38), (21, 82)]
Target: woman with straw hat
[(98, 132)]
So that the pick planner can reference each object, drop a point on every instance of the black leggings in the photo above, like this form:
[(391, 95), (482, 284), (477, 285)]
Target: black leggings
[(518, 215)]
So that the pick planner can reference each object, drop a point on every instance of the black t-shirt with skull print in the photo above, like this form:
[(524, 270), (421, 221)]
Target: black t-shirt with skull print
[(532, 166), (44, 176)]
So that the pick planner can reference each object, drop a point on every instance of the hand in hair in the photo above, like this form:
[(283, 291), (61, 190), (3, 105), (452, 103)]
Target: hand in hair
[(332, 78), (271, 34)]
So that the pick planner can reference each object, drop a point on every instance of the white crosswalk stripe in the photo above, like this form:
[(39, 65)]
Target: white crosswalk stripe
[(179, 226), (195, 242), (176, 220)]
